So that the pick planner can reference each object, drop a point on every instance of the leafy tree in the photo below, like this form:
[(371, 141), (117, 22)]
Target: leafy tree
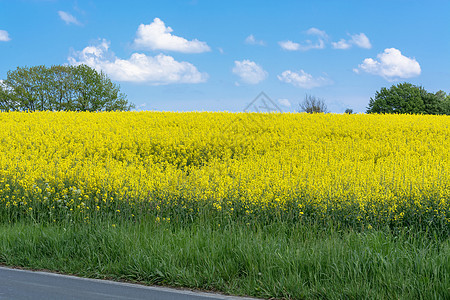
[(4, 97), (312, 104), (78, 88), (433, 105), (348, 111), (405, 98), (444, 100), (446, 106), (441, 95)]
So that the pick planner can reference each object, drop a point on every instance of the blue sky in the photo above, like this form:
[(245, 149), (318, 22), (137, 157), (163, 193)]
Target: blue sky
[(219, 55)]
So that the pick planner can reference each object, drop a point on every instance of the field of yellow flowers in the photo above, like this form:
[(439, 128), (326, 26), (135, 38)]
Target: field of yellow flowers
[(369, 170)]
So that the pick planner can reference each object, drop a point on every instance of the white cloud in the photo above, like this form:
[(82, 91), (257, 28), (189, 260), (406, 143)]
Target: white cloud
[(320, 44), (318, 32), (251, 40), (284, 102), (342, 44), (308, 45), (303, 79), (359, 40), (4, 36), (4, 86), (249, 71), (289, 45), (391, 65), (156, 70), (156, 36), (68, 18)]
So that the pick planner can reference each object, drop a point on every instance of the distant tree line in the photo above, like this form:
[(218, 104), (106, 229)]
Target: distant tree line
[(81, 88), (60, 88), (403, 98)]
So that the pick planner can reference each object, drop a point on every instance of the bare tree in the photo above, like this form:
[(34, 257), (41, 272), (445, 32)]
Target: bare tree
[(312, 104)]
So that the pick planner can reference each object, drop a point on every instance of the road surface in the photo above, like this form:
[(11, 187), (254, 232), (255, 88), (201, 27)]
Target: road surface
[(22, 284)]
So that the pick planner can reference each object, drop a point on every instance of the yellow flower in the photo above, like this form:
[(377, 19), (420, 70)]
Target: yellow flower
[(376, 167)]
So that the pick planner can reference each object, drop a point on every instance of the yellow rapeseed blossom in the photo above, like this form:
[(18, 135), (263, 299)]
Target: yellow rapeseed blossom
[(373, 169)]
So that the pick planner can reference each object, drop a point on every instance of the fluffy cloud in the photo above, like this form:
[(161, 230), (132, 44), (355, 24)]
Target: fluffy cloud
[(68, 18), (156, 36), (249, 71), (4, 36), (284, 102), (156, 70), (359, 40), (391, 65), (318, 32), (320, 44), (308, 44), (251, 40), (303, 79), (289, 45), (342, 44)]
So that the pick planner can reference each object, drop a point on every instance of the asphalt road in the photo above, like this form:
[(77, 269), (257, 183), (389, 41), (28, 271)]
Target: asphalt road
[(21, 284)]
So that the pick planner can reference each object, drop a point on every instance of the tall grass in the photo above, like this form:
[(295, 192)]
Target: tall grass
[(282, 261)]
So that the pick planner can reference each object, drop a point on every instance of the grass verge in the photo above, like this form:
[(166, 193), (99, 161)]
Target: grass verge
[(281, 261)]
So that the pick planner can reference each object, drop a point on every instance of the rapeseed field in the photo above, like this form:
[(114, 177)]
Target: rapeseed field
[(359, 170)]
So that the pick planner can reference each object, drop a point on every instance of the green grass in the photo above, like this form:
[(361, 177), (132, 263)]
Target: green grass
[(302, 261)]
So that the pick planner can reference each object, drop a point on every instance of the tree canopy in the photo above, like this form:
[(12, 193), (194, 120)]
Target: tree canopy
[(71, 88), (407, 98)]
